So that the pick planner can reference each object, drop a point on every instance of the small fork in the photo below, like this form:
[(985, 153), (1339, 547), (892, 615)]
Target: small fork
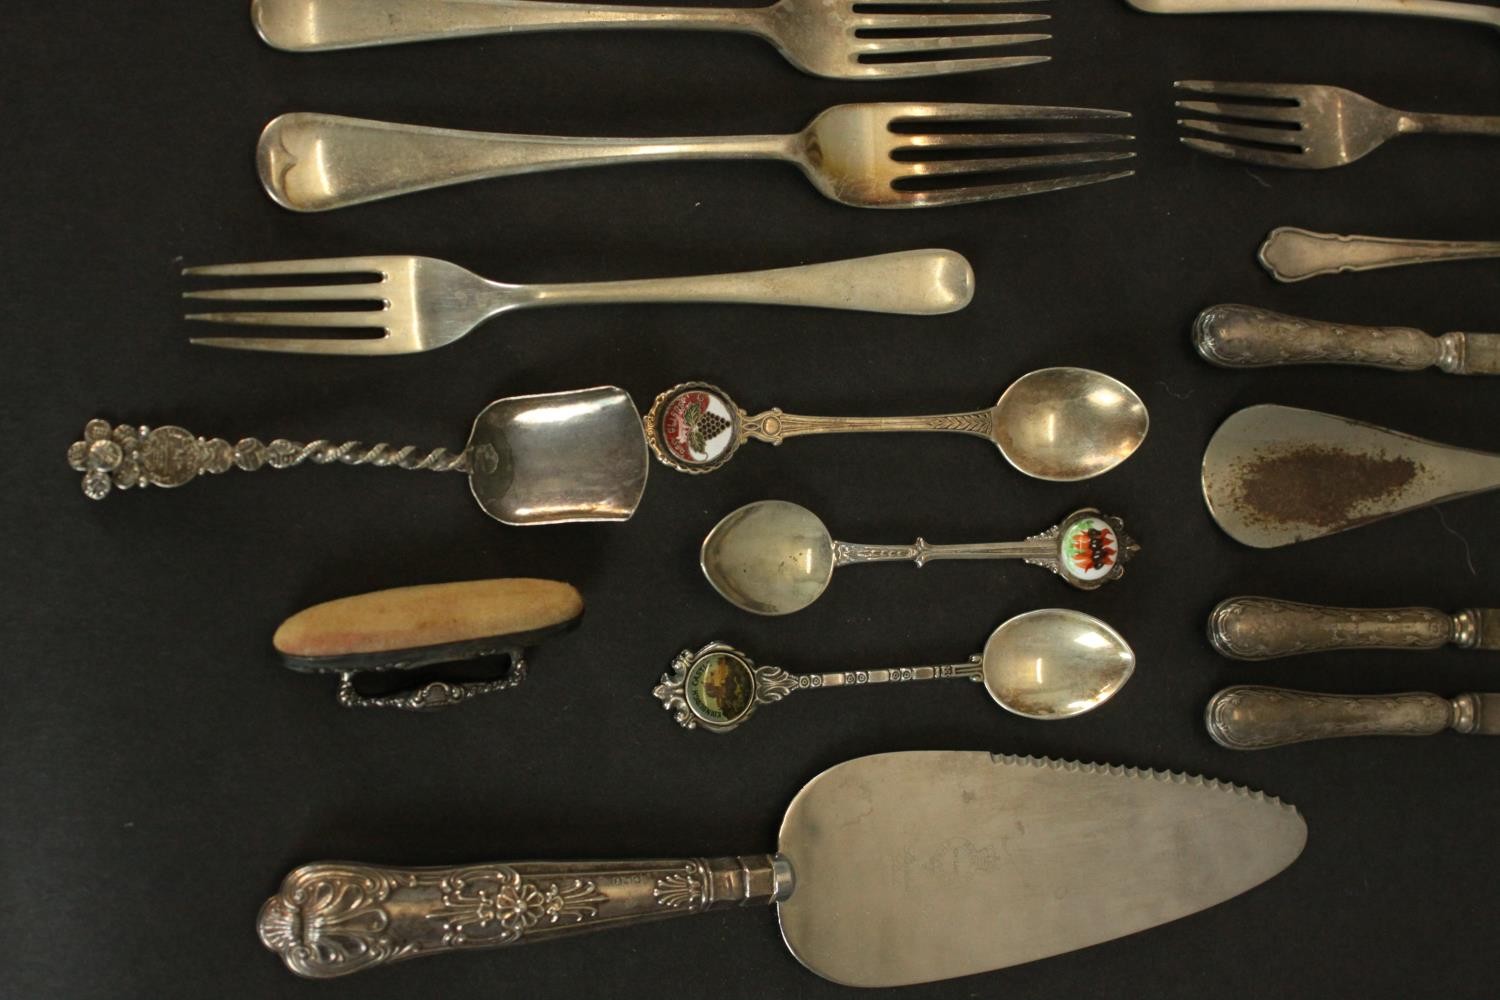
[(865, 155), (421, 303), (1305, 126)]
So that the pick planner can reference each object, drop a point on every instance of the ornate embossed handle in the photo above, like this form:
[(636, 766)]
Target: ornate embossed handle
[(1236, 336), (1292, 254), (1248, 717), (1263, 628), (332, 918), (124, 457)]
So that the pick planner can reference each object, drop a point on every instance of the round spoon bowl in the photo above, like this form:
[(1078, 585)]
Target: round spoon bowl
[(1055, 664), (769, 558), (1067, 424)]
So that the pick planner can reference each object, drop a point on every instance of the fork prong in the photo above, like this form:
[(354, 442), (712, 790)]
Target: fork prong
[(293, 294), (1289, 138), (1248, 112), (942, 67), (324, 265), (1247, 154), (971, 140), (906, 22), (995, 192), (940, 45), (365, 318), (957, 112), (1271, 91), (948, 168), (305, 345)]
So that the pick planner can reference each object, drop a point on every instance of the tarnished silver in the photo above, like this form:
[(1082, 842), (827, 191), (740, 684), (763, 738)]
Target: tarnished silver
[(1236, 336), (543, 459), (865, 155), (1019, 858), (1264, 628), (1251, 717), (421, 304), (1474, 13), (1306, 126), (841, 39), (1044, 664), (773, 557), (1060, 424), (1290, 254), (1274, 475)]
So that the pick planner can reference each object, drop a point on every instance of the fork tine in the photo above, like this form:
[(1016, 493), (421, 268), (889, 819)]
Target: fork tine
[(969, 140), (936, 46), (903, 22), (1249, 112), (1247, 154), (366, 318), (293, 294), (329, 345), (1273, 91), (324, 265), (941, 168), (958, 112), (1246, 133), (942, 67), (995, 192)]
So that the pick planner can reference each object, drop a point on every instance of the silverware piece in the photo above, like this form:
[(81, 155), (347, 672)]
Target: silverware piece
[(1061, 424), (773, 557), (840, 39), (1274, 475), (1236, 336), (401, 633), (315, 162), (1290, 254), (1313, 127), (1474, 13), (1251, 717), (1045, 664), (1090, 853), (544, 459), (422, 304), (1264, 628)]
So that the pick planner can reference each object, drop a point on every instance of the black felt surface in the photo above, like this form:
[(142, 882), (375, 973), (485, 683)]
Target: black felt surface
[(161, 771)]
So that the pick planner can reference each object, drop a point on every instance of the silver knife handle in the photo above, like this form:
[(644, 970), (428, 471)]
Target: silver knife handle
[(1255, 718), (1236, 336), (1473, 12), (1291, 254), (1263, 628), (333, 918)]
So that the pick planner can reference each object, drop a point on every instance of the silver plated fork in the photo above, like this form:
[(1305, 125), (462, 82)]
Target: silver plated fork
[(865, 155), (842, 39), (421, 304), (1305, 126)]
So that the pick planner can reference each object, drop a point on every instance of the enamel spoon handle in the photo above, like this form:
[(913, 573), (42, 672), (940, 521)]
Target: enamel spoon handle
[(1250, 717)]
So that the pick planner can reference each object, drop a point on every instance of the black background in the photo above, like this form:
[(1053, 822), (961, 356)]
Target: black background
[(162, 771)]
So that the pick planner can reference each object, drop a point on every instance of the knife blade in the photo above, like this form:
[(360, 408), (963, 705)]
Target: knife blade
[(893, 869), (1264, 628)]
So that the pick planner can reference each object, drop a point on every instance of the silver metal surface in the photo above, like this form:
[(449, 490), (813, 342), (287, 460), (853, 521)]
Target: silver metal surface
[(1264, 628), (1236, 336), (1250, 717), (544, 459), (913, 867), (1290, 254), (1475, 13), (893, 869), (1305, 126), (1274, 475), (1060, 424), (773, 557), (422, 304), (1044, 664), (830, 38), (316, 162)]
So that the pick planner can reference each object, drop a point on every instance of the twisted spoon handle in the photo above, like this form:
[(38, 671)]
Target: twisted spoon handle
[(1291, 254), (1263, 628), (125, 457), (1249, 717)]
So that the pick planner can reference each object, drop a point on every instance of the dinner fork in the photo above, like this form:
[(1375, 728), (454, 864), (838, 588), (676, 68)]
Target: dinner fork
[(1306, 125), (842, 39), (422, 304), (852, 153)]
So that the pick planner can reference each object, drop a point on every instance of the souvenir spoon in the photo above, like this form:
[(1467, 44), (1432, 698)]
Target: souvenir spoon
[(773, 557), (1047, 664), (546, 459), (1061, 424)]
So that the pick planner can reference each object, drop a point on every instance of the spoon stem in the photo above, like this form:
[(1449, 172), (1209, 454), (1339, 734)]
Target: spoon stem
[(773, 426), (921, 552)]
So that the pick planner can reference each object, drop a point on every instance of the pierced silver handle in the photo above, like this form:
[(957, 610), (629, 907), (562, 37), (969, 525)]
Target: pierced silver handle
[(1263, 628), (1236, 336), (125, 457), (1292, 254), (1250, 717)]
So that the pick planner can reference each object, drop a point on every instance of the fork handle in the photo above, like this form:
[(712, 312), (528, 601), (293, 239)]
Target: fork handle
[(1472, 12), (1416, 121), (1292, 254), (321, 25), (315, 162)]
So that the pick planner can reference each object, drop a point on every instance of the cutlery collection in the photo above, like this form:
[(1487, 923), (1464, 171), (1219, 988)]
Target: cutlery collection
[(1271, 476)]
